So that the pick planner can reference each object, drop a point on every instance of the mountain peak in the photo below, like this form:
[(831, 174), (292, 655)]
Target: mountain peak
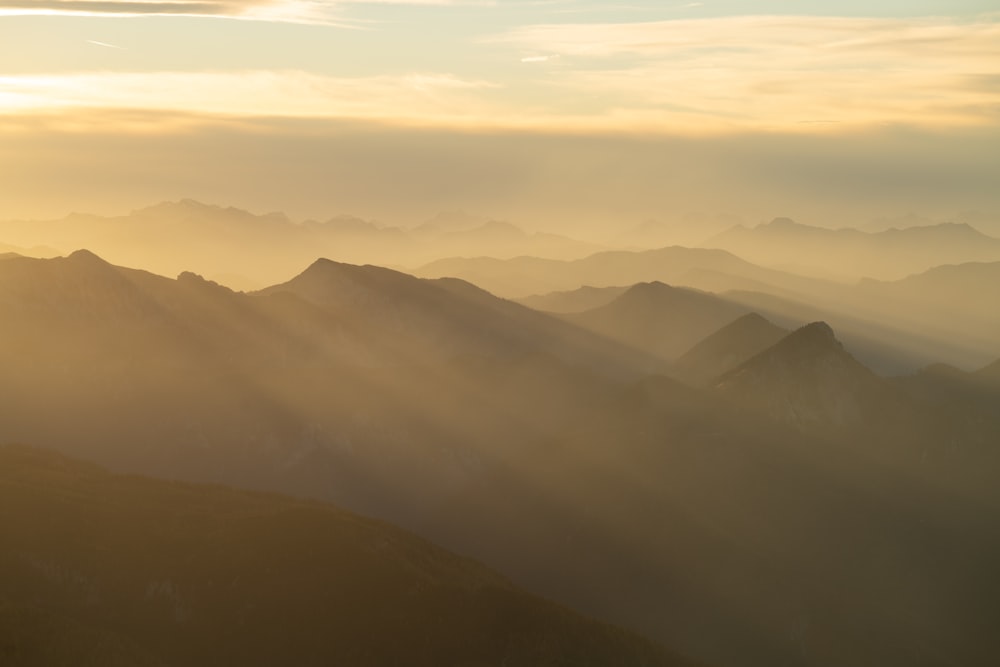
[(176, 207), (806, 379), (86, 257), (782, 223), (649, 289), (729, 347), (817, 331)]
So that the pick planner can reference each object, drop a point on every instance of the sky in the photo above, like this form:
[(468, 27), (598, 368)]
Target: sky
[(556, 113)]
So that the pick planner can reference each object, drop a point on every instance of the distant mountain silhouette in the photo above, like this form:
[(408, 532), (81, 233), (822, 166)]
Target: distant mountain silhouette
[(728, 347), (105, 569), (691, 229), (852, 253), (36, 251), (898, 222), (525, 276), (250, 249), (659, 319), (572, 301), (956, 302)]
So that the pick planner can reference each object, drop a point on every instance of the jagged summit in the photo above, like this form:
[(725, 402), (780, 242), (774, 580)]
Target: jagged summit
[(806, 345), (181, 206), (814, 333), (807, 379)]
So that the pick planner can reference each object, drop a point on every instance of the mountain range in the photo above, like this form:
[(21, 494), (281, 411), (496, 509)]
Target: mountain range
[(247, 251), (736, 530), (851, 254), (691, 267)]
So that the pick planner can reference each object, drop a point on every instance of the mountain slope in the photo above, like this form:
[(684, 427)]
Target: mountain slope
[(806, 379), (658, 319), (728, 347), (647, 503), (572, 301), (524, 276), (209, 575)]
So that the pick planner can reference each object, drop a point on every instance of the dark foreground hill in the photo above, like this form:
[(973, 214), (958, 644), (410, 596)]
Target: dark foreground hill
[(102, 569)]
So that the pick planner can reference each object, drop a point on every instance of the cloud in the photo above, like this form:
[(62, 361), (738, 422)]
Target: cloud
[(326, 12), (104, 44), (408, 98), (765, 71)]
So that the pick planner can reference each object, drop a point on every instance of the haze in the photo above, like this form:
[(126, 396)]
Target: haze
[(446, 332)]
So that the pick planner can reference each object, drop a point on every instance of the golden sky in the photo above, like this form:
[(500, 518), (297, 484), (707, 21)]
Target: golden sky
[(132, 73)]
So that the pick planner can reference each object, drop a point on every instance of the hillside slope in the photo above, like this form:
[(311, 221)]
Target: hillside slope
[(105, 569)]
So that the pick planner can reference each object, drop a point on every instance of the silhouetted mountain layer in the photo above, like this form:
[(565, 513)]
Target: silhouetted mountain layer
[(852, 253), (525, 276), (727, 348), (807, 379), (573, 301), (111, 570), (531, 445), (251, 250), (659, 319)]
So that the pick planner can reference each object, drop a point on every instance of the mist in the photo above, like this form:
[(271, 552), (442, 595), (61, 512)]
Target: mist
[(592, 186)]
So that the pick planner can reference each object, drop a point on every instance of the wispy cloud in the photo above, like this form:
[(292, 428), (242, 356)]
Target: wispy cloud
[(413, 97), (327, 12), (105, 44), (765, 71), (298, 11)]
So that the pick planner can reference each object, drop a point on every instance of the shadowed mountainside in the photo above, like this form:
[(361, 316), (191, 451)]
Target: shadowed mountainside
[(807, 379), (105, 569), (659, 319), (727, 348), (529, 444), (572, 301)]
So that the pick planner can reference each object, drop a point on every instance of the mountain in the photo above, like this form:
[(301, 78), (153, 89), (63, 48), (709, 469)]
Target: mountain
[(250, 249), (516, 438), (447, 317), (572, 301), (36, 251), (851, 253), (728, 347), (524, 276), (807, 379), (991, 373), (108, 569), (690, 229), (898, 222), (956, 302), (658, 319), (985, 221)]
